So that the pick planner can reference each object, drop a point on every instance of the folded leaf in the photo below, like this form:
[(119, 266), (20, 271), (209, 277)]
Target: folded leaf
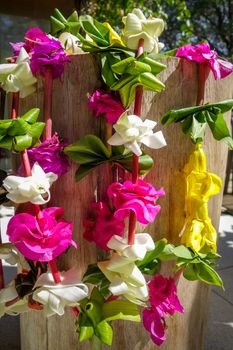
[(120, 310), (59, 24)]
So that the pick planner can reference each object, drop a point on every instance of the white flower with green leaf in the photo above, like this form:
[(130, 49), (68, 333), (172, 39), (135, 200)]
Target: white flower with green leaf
[(34, 188), (137, 27), (17, 76), (70, 43), (132, 131)]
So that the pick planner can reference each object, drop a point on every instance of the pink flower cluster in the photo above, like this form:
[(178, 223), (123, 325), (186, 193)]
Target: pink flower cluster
[(139, 197), (50, 156), (101, 228), (41, 239), (164, 302), (203, 54), (102, 102)]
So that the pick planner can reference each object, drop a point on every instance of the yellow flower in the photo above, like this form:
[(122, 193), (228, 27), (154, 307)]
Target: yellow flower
[(198, 231), (114, 38)]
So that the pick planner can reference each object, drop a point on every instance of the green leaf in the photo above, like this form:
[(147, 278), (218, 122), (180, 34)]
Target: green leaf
[(93, 275), (120, 310), (20, 143), (190, 273), (36, 130), (183, 252), (31, 116), (104, 332), (18, 127), (88, 150), (85, 329), (96, 30), (107, 60), (219, 128), (207, 274), (145, 163), (167, 253)]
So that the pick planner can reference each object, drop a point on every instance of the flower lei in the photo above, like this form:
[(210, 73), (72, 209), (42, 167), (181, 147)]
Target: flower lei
[(118, 287)]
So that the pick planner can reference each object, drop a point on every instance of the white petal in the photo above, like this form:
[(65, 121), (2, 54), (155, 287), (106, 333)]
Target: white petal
[(134, 147), (139, 14), (154, 141), (116, 140)]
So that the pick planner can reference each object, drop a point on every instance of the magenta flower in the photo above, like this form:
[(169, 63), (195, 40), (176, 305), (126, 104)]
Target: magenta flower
[(163, 296), (41, 239), (203, 54), (164, 302), (50, 156), (48, 54), (32, 37), (102, 102), (139, 198), (101, 229), (154, 325)]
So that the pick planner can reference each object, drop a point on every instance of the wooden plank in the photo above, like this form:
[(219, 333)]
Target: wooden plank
[(73, 120)]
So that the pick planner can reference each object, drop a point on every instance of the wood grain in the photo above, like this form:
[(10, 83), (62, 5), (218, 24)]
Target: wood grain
[(73, 120)]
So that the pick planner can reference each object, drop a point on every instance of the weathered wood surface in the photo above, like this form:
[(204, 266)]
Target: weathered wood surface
[(73, 120)]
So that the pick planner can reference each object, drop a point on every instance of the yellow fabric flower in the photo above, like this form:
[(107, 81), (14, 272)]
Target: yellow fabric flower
[(198, 231), (114, 38)]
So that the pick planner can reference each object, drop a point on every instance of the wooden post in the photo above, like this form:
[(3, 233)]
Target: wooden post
[(73, 120)]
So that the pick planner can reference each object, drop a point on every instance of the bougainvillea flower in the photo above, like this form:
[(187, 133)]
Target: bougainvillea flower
[(70, 43), (126, 279), (48, 54), (139, 198), (138, 27), (33, 37), (41, 239), (163, 296), (131, 131), (154, 325), (50, 156), (202, 53), (32, 188), (198, 231), (143, 243), (17, 76), (55, 297), (101, 228), (102, 102), (164, 302)]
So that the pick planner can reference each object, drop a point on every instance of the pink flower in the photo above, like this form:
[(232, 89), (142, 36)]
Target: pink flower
[(163, 296), (102, 102), (41, 239), (48, 54), (101, 229), (32, 37), (154, 325), (50, 156), (139, 198), (164, 302), (203, 54)]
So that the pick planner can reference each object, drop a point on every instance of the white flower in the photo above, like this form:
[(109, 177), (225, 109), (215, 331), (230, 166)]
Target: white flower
[(138, 27), (17, 76), (131, 131), (12, 256), (70, 43), (125, 277), (143, 243), (55, 297), (30, 189), (15, 306)]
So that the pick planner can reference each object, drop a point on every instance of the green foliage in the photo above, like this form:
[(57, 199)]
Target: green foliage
[(195, 119), (21, 133), (97, 314), (59, 24), (90, 152)]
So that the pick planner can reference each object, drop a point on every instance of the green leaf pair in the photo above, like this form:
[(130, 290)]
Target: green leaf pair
[(195, 119), (95, 276), (59, 24), (140, 71), (150, 265), (195, 266), (90, 152), (21, 133), (97, 313)]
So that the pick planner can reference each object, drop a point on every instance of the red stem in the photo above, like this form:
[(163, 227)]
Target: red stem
[(48, 89), (135, 166), (54, 270), (15, 105)]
